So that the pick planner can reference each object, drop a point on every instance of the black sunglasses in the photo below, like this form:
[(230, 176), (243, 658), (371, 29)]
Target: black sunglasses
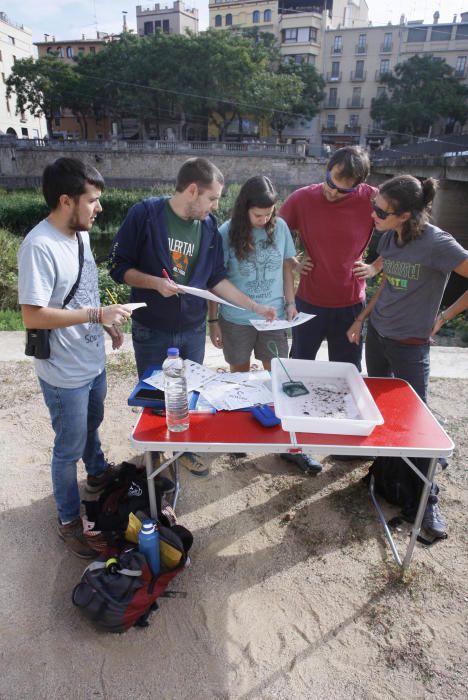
[(341, 190), (381, 213)]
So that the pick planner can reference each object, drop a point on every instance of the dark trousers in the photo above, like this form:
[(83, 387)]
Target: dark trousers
[(330, 325), (389, 358)]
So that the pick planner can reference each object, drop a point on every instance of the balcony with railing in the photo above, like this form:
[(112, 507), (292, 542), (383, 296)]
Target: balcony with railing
[(352, 129), (360, 49), (333, 77), (336, 50), (331, 103), (460, 73), (386, 47), (355, 103), (379, 74), (329, 129), (358, 76)]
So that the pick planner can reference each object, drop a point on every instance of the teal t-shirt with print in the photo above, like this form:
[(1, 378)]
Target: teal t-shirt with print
[(260, 275), (184, 244)]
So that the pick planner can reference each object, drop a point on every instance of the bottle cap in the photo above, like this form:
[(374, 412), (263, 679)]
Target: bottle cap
[(173, 352), (147, 527)]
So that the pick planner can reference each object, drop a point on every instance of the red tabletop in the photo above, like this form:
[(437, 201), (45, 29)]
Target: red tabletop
[(409, 429)]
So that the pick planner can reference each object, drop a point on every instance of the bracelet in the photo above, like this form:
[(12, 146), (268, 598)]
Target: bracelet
[(212, 320), (95, 315), (443, 316)]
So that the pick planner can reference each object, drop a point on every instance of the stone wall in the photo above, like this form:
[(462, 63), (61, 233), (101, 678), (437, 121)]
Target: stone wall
[(23, 167)]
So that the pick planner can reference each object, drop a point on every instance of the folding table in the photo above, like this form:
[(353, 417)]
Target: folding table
[(409, 430)]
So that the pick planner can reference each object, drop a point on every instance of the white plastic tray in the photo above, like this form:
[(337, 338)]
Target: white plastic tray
[(289, 410)]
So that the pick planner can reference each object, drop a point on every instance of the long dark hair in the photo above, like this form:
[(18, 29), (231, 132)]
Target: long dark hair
[(258, 192), (406, 193)]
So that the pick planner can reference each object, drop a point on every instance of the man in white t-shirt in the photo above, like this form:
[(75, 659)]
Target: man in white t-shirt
[(73, 376)]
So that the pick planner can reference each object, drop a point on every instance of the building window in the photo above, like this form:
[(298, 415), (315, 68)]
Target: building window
[(12, 40), (417, 34), (387, 42), (462, 32), (267, 16), (1, 58), (380, 91), (165, 26), (59, 51), (353, 120), (305, 34), (157, 24), (362, 43), (333, 97), (218, 21), (148, 28), (255, 16), (384, 66), (24, 131), (441, 32), (228, 21), (69, 52), (335, 70), (14, 59), (92, 49), (331, 121), (338, 44), (356, 98), (290, 35), (460, 66), (359, 72)]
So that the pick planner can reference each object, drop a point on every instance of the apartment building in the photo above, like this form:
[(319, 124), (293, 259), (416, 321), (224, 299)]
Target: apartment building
[(351, 55), (66, 125), (170, 20), (16, 43)]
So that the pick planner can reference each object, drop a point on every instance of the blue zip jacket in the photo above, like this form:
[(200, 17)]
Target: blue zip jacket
[(142, 243)]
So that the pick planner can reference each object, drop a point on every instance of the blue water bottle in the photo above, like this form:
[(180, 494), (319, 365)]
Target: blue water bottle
[(148, 544)]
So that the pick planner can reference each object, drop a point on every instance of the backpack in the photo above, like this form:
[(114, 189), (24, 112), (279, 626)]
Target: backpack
[(397, 483), (119, 593), (107, 517)]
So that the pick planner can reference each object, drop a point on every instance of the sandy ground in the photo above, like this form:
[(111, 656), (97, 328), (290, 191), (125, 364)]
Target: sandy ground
[(292, 592)]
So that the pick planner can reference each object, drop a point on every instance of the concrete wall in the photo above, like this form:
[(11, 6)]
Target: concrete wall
[(141, 169)]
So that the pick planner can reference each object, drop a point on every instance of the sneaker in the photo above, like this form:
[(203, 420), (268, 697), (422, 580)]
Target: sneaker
[(98, 483), (191, 462), (433, 521), (305, 462), (75, 541)]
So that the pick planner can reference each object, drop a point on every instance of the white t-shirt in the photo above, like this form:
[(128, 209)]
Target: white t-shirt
[(47, 270)]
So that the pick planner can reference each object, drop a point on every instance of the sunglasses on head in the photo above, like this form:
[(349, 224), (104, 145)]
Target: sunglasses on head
[(381, 213), (341, 190)]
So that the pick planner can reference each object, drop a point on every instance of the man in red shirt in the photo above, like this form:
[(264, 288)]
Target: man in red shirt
[(334, 222)]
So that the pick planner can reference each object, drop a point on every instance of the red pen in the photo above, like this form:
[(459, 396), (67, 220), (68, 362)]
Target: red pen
[(167, 277)]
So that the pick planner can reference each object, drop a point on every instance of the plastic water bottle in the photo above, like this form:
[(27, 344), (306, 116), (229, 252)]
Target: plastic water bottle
[(175, 392), (148, 544)]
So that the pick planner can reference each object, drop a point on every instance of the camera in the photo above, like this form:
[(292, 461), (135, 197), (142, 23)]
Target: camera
[(37, 343)]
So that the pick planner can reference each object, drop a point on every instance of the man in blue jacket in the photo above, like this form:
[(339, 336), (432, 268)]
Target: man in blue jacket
[(165, 240)]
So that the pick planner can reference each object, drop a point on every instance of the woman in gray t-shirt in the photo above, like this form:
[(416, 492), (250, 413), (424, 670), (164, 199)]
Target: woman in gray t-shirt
[(417, 261)]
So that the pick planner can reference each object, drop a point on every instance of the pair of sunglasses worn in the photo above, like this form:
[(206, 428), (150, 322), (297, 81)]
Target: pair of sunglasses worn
[(341, 190), (381, 213)]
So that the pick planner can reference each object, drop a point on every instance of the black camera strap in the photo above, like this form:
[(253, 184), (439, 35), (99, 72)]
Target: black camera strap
[(72, 291)]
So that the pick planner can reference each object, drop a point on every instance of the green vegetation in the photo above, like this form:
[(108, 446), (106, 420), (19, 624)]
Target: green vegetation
[(8, 271), (418, 92), (239, 76), (11, 320)]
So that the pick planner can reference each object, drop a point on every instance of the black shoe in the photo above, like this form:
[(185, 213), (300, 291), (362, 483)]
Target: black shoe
[(443, 462), (165, 485), (433, 521), (305, 463)]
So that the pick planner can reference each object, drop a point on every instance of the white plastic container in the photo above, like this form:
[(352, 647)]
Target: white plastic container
[(289, 410)]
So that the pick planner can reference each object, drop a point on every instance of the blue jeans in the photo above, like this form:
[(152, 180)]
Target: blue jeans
[(330, 324), (150, 345), (389, 358), (76, 415)]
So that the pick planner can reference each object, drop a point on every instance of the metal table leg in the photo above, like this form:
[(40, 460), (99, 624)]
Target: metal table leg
[(152, 472), (419, 515)]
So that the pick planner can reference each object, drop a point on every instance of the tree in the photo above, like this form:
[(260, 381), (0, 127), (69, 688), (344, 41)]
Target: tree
[(40, 86), (419, 92)]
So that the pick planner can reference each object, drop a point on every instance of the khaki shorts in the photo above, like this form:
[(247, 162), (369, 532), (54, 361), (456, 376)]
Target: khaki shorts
[(239, 341)]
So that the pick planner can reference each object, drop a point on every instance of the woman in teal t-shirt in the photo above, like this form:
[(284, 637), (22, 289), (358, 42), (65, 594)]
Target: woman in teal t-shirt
[(258, 255)]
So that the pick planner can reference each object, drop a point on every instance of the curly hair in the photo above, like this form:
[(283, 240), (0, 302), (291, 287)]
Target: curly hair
[(406, 193), (258, 192)]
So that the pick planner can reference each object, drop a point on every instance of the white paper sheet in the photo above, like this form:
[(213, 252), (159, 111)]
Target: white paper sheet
[(133, 305), (205, 294), (196, 375), (261, 325), (229, 397)]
